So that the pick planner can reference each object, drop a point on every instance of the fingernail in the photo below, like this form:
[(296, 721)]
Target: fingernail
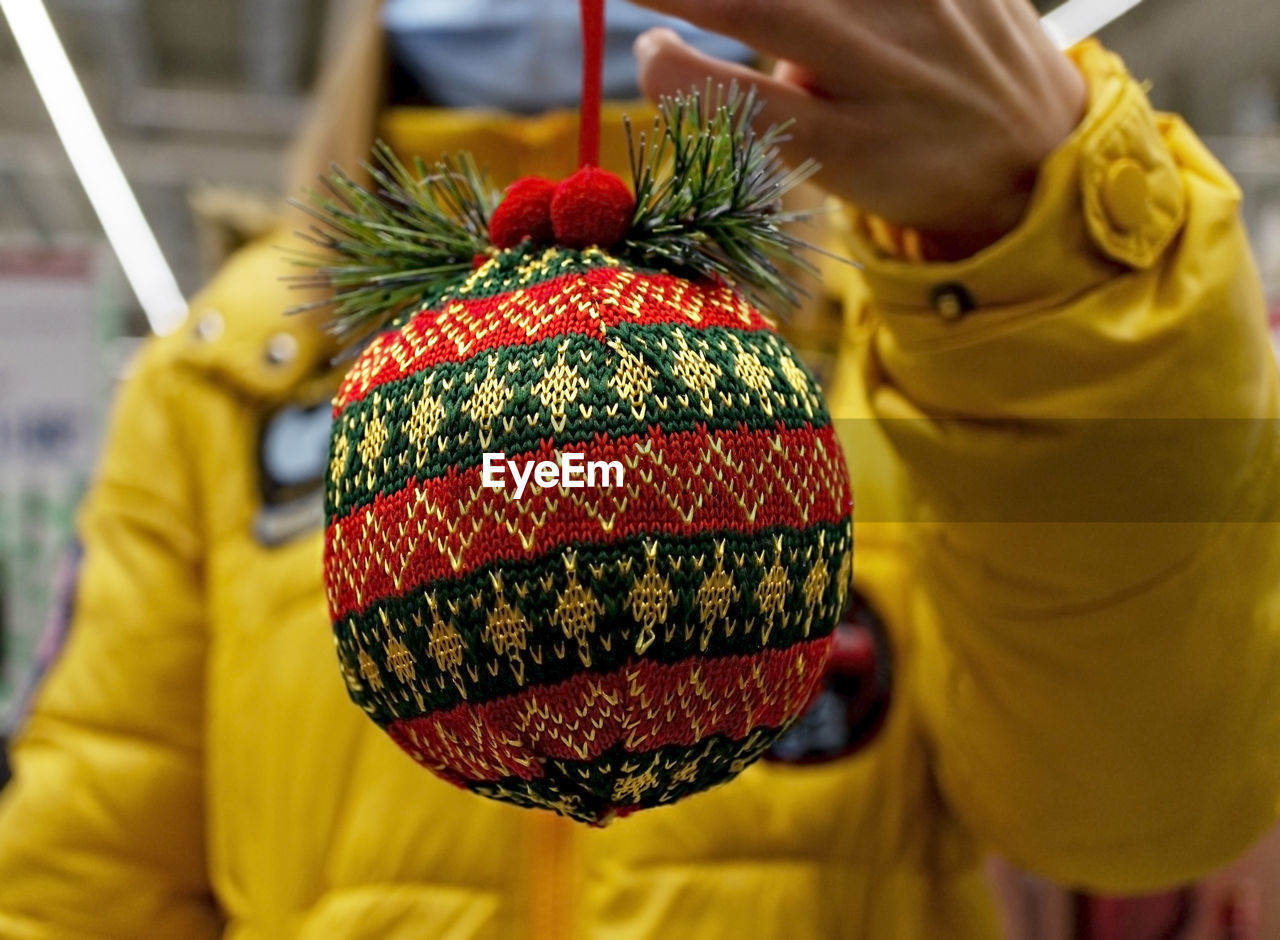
[(647, 43), (642, 48)]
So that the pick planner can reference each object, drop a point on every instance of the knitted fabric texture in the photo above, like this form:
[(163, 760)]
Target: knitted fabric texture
[(524, 213), (593, 651), (591, 207)]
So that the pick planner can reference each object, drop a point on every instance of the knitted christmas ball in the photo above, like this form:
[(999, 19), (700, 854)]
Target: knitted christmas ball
[(588, 528)]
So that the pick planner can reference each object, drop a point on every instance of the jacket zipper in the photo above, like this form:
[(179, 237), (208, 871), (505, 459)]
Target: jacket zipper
[(551, 877)]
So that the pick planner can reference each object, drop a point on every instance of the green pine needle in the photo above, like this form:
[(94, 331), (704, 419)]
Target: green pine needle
[(385, 249), (708, 205), (709, 196)]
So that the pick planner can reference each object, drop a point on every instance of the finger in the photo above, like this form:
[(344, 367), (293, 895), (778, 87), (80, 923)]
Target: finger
[(1242, 914), (797, 76), (814, 32), (667, 66)]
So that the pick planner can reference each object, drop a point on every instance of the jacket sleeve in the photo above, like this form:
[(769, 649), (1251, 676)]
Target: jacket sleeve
[(101, 829), (1084, 417)]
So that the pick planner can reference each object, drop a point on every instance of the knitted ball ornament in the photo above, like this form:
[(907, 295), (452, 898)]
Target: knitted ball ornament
[(599, 643)]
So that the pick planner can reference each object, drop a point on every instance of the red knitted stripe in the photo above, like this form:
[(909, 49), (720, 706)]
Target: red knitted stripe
[(582, 718), (680, 484), (575, 303)]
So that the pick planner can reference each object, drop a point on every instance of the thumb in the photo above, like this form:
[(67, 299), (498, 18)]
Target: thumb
[(1242, 912), (666, 66)]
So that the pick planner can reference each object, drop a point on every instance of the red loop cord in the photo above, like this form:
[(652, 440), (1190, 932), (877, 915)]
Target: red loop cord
[(592, 69)]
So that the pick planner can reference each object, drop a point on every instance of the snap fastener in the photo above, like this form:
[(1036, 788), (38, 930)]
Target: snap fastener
[(1125, 193), (282, 348), (951, 300), (209, 327)]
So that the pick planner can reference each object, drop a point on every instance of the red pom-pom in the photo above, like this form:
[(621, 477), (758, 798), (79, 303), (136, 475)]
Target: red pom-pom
[(525, 212), (592, 207)]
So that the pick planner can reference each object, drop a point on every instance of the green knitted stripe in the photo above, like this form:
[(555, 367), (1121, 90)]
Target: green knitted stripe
[(791, 584), (511, 270), (575, 387), (592, 791)]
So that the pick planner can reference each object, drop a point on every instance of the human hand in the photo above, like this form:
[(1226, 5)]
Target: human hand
[(933, 114), (1232, 912)]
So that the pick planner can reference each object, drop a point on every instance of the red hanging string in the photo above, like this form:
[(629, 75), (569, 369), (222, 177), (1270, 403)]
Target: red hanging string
[(592, 69)]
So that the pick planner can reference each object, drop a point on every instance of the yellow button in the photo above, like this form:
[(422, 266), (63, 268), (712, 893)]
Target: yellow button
[(1124, 194)]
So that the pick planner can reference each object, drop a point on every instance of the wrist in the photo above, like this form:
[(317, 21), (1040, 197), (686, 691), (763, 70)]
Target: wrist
[(1073, 234)]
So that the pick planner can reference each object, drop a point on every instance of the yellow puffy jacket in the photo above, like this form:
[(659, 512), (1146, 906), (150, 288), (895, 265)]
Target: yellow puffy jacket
[(1067, 478)]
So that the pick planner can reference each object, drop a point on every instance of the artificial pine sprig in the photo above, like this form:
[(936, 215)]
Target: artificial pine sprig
[(708, 204), (386, 248), (709, 196)]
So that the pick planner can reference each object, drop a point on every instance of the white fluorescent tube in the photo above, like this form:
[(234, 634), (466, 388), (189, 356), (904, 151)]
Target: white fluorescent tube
[(1077, 20), (104, 182)]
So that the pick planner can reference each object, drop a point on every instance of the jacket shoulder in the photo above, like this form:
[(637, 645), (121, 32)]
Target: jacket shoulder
[(239, 331)]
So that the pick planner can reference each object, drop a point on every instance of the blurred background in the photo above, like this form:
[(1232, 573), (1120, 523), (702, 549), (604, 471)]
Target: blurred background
[(199, 100)]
